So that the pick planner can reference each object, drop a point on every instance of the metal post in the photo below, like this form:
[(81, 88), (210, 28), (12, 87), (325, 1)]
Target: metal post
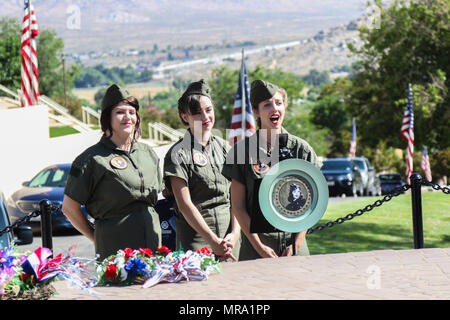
[(416, 198), (293, 236), (46, 224)]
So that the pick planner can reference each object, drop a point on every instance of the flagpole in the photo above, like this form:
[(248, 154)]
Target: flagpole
[(244, 102)]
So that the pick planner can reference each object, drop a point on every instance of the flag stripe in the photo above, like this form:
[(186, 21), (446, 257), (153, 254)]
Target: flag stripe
[(425, 164), (235, 134), (29, 72), (407, 132)]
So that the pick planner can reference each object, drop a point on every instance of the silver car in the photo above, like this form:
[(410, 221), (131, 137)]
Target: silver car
[(370, 182)]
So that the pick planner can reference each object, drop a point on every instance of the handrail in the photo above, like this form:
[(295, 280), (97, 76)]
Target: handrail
[(157, 130), (57, 107), (86, 111), (10, 92), (170, 129)]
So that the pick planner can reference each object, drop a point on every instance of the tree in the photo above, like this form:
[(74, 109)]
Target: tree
[(49, 52), (316, 78), (10, 55), (330, 111), (410, 45)]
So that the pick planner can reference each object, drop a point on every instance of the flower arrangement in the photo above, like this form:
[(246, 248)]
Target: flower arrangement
[(29, 276), (143, 266)]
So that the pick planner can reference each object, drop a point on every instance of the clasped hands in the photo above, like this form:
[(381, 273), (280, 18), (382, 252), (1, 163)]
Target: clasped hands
[(223, 249)]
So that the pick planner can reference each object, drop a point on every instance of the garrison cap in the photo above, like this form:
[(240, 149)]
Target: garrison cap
[(260, 91), (199, 87), (114, 94)]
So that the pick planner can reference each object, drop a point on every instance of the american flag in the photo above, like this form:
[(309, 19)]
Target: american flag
[(407, 133), (352, 152), (240, 119), (30, 77), (425, 164)]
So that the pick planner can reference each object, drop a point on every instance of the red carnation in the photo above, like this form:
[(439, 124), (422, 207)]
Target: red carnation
[(111, 271), (204, 250), (146, 252), (129, 253), (163, 250)]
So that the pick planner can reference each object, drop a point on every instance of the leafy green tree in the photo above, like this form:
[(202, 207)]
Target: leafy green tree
[(301, 125), (90, 77), (316, 78), (49, 51), (167, 99), (411, 44), (330, 111), (10, 55), (440, 163)]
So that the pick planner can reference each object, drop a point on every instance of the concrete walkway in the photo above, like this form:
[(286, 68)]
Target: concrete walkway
[(375, 275)]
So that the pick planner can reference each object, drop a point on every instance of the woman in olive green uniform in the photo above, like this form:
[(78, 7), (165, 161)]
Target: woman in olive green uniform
[(192, 173), (118, 181), (247, 163)]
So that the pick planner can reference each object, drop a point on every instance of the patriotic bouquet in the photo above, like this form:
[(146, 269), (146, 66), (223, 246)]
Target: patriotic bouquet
[(143, 266), (29, 276)]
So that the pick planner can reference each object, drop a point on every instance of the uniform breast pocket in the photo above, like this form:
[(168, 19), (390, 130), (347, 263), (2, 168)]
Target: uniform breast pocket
[(203, 177), (128, 178)]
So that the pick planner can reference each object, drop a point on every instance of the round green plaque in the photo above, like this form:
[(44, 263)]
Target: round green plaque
[(293, 195)]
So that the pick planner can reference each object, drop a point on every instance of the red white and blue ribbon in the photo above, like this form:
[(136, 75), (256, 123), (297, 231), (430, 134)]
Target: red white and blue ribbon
[(39, 266), (175, 268)]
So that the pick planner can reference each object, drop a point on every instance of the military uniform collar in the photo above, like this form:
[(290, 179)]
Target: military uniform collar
[(111, 145), (195, 144), (255, 139), (283, 130)]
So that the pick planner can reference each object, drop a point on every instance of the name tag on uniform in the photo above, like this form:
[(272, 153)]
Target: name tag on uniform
[(119, 162)]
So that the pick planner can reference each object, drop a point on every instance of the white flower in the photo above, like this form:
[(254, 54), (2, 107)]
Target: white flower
[(120, 262), (15, 289)]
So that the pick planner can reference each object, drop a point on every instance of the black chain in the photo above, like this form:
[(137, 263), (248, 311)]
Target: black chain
[(21, 221), (26, 219), (435, 186), (360, 212)]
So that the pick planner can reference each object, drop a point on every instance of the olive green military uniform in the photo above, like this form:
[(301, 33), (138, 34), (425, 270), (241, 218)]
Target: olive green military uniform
[(200, 167), (241, 165), (119, 190)]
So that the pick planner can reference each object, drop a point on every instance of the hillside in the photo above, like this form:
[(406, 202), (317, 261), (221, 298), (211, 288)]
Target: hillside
[(134, 24)]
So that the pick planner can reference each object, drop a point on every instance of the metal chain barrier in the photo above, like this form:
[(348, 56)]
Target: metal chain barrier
[(25, 220), (360, 212), (377, 203), (435, 186), (21, 221)]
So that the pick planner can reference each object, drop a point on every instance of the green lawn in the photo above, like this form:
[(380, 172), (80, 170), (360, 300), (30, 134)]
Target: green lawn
[(61, 131), (386, 227)]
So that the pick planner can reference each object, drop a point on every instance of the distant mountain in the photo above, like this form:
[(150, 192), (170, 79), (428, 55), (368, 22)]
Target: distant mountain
[(102, 25)]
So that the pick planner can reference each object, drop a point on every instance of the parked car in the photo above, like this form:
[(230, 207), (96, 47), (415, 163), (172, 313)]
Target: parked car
[(20, 236), (48, 184), (390, 182), (343, 177), (368, 176)]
